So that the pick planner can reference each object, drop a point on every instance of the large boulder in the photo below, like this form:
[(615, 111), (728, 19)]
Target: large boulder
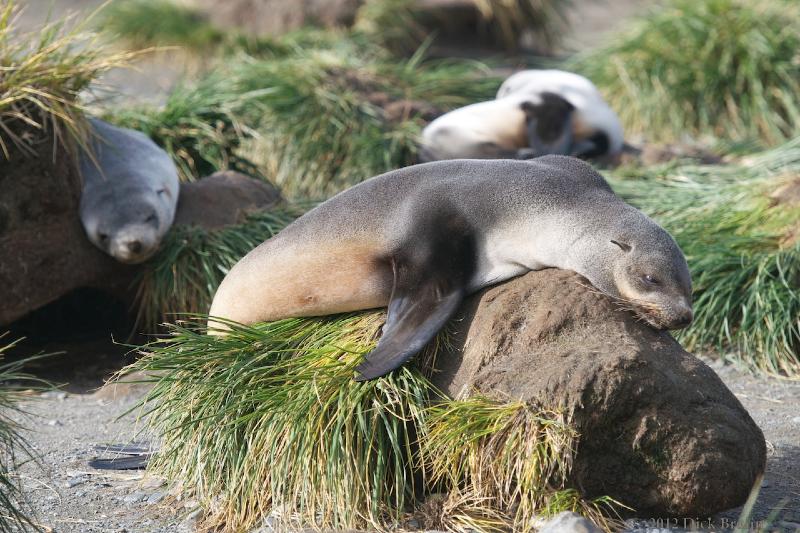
[(222, 199), (44, 251), (659, 431)]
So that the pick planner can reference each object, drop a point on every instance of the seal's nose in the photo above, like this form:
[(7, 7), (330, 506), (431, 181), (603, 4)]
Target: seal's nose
[(134, 247), (684, 319)]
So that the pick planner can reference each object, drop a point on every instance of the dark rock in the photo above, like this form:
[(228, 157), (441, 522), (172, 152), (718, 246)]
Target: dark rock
[(223, 199), (44, 252), (659, 430)]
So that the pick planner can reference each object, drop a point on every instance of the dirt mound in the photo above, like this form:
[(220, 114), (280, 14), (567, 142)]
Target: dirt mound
[(660, 432)]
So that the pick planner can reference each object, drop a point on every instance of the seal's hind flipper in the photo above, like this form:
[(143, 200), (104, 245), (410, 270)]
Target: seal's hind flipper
[(431, 275)]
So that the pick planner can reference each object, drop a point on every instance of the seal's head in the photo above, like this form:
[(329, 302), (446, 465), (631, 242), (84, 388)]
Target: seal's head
[(647, 271), (127, 223)]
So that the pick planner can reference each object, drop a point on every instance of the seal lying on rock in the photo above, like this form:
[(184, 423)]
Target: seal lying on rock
[(130, 190), (537, 112), (423, 237)]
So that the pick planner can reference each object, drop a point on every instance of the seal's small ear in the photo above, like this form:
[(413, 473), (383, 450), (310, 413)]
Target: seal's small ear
[(625, 247)]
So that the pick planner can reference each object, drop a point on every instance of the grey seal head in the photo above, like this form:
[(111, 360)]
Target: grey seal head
[(130, 192), (421, 238)]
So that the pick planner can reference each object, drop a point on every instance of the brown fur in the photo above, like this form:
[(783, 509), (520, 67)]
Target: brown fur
[(306, 281)]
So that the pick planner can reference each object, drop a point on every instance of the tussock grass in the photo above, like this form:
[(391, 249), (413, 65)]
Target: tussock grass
[(726, 68), (742, 247), (202, 125), (268, 420), (339, 115), (185, 273), (147, 23), (41, 75), (504, 462), (402, 26), (268, 417), (15, 512)]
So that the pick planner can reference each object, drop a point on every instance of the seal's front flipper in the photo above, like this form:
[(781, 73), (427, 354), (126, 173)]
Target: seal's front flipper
[(431, 275), (414, 319)]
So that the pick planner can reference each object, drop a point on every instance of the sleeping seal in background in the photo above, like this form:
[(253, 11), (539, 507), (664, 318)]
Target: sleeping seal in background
[(423, 237), (130, 191), (536, 112)]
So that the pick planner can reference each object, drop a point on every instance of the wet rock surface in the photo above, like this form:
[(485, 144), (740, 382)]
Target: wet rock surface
[(660, 431)]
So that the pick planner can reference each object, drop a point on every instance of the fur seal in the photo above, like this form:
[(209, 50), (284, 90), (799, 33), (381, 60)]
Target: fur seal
[(536, 112), (423, 237), (130, 192)]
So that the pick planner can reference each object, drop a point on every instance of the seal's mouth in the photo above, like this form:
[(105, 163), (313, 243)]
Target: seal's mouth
[(659, 318), (133, 259)]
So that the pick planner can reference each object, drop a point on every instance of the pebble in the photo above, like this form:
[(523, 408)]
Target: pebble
[(796, 420), (54, 423), (155, 498), (569, 522), (188, 524), (134, 497), (54, 395), (74, 482)]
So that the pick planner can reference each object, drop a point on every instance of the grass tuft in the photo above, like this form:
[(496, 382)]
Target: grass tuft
[(203, 126), (185, 273), (267, 420), (742, 247), (339, 115), (15, 511), (726, 68), (148, 23), (506, 462), (268, 417), (402, 26), (42, 74)]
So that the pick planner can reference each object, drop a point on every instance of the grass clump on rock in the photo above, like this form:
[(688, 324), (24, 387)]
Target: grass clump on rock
[(738, 225), (268, 420), (43, 74), (726, 68)]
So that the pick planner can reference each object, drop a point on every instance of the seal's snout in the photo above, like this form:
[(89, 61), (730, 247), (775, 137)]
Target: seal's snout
[(133, 245), (684, 319)]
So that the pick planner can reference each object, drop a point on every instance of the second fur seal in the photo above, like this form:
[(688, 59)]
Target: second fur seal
[(422, 238), (130, 192)]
